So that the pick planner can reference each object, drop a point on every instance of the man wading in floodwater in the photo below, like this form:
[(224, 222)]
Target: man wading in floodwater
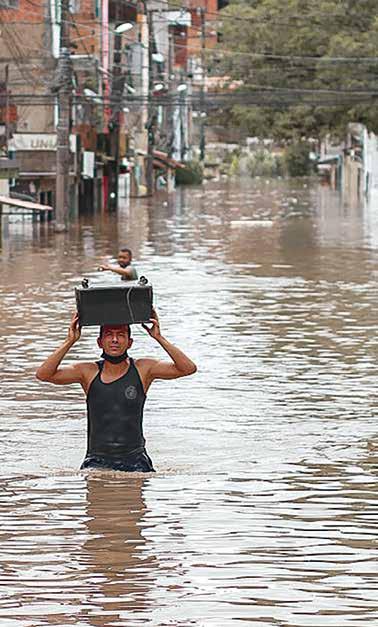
[(125, 267), (116, 388)]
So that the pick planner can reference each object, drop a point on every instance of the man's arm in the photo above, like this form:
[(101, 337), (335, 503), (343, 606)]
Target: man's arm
[(50, 371), (181, 365), (124, 272)]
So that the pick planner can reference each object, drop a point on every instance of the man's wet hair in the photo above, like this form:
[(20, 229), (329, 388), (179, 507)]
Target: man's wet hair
[(126, 250), (102, 327)]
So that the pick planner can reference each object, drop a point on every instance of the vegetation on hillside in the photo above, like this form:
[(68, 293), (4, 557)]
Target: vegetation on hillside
[(304, 68)]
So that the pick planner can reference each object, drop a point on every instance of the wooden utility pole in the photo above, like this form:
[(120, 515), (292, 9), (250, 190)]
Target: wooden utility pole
[(64, 88)]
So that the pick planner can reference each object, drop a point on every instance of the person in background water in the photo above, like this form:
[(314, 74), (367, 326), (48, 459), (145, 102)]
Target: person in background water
[(116, 389), (125, 268)]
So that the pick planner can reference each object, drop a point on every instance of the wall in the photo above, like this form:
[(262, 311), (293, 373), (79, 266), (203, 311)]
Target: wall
[(25, 46)]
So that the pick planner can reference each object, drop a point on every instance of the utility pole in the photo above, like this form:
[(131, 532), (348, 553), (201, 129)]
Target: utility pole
[(170, 131), (183, 121), (114, 124), (170, 81), (7, 116), (64, 88), (203, 80), (150, 120)]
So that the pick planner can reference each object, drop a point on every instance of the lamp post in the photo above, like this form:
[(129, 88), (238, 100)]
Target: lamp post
[(63, 125), (123, 28), (181, 90), (150, 121), (116, 105)]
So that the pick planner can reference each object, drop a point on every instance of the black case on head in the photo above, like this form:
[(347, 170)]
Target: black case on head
[(113, 304)]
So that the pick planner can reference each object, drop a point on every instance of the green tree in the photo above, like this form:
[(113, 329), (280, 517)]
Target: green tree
[(306, 68)]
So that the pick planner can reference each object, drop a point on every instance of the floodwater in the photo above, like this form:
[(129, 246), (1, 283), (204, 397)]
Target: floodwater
[(263, 509)]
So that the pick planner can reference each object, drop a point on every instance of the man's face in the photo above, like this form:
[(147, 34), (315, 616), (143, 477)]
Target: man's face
[(124, 259), (115, 339)]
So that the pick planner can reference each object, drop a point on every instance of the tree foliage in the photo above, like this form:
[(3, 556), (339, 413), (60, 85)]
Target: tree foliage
[(317, 61)]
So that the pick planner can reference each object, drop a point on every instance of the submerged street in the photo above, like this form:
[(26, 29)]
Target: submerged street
[(263, 509)]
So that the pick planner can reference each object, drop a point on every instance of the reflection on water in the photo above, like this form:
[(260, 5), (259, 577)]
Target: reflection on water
[(264, 506), (111, 555)]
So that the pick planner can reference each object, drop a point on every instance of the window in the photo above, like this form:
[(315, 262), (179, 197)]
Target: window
[(73, 6), (9, 4)]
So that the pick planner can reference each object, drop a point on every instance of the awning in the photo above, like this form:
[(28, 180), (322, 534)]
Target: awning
[(24, 204), (161, 158), (8, 164), (328, 159)]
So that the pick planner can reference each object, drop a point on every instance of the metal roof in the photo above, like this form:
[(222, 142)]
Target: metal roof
[(24, 204)]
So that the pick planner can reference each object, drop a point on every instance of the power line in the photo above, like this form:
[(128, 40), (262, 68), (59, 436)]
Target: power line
[(222, 16), (325, 63), (245, 97)]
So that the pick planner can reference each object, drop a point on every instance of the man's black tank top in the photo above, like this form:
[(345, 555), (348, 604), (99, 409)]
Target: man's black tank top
[(115, 415)]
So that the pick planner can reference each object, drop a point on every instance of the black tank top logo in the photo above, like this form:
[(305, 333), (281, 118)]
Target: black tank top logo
[(131, 392)]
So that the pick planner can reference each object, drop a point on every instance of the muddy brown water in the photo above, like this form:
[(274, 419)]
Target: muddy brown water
[(263, 509)]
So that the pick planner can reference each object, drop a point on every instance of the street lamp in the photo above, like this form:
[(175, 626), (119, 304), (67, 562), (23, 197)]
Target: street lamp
[(90, 93), (182, 87), (103, 70), (123, 28), (158, 57)]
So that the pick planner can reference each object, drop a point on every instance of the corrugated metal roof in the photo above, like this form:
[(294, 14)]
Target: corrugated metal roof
[(24, 204)]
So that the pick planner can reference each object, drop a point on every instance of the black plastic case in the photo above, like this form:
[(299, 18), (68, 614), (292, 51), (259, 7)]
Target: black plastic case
[(113, 304)]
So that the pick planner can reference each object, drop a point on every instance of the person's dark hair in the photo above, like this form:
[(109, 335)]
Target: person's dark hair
[(107, 325), (126, 250)]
